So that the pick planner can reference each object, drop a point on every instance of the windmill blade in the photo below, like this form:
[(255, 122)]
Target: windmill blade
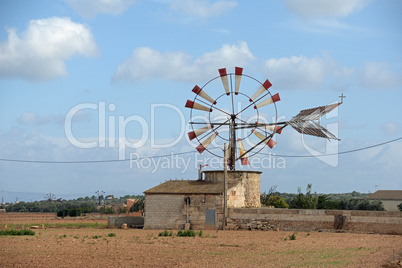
[(201, 148), (197, 90), (272, 128), (238, 74), (224, 78), (267, 140), (243, 157), (197, 106), (193, 134), (264, 87), (313, 129), (268, 101)]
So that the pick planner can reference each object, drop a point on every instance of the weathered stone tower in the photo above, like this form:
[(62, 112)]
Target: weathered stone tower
[(243, 187)]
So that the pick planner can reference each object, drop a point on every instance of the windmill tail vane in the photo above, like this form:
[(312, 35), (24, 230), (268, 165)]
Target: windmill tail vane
[(232, 130), (305, 121)]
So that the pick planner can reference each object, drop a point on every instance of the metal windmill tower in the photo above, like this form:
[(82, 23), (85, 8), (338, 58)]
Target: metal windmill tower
[(233, 116)]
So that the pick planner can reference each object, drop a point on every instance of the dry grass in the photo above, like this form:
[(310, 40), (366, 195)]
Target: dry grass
[(92, 247)]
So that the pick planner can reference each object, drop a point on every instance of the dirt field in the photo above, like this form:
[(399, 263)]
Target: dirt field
[(91, 247)]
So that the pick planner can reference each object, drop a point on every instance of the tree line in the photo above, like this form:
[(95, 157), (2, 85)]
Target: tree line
[(309, 200), (75, 207)]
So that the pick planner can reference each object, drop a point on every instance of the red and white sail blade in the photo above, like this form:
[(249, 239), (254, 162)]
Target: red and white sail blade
[(224, 78), (243, 156), (268, 101), (264, 87), (201, 148), (238, 74), (276, 129), (197, 106), (193, 134), (268, 141), (197, 90)]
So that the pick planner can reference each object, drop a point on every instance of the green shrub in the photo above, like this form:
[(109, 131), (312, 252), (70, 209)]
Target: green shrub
[(189, 233), (305, 201), (17, 232), (106, 210), (112, 234), (292, 237), (166, 233), (276, 201), (73, 212)]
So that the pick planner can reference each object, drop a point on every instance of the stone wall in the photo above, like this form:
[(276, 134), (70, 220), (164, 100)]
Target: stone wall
[(132, 222), (169, 211), (243, 187), (381, 222)]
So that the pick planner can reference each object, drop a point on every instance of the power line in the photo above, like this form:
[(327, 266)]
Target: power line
[(344, 152), (91, 161), (182, 153)]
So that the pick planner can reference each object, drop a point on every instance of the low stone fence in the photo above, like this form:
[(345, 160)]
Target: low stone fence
[(132, 222), (380, 222)]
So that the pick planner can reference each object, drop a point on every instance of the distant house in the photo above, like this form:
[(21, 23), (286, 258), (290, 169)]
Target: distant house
[(390, 198)]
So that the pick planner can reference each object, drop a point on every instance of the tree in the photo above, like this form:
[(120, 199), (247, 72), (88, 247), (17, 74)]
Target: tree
[(138, 205), (400, 207), (324, 202), (277, 202), (307, 201), (264, 196), (121, 210), (356, 204)]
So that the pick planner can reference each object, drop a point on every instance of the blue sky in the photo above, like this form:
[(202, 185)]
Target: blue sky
[(140, 59)]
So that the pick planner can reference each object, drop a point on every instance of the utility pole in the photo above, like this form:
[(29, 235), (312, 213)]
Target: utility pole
[(225, 201)]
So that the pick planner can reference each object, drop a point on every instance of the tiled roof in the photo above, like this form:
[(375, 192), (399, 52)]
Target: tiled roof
[(387, 195), (186, 187)]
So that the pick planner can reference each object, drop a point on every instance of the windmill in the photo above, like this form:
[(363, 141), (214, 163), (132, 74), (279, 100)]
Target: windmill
[(235, 117)]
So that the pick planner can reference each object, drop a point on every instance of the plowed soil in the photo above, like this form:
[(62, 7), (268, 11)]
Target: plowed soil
[(88, 247)]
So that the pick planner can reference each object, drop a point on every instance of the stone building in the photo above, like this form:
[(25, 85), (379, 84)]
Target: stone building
[(200, 202), (390, 198)]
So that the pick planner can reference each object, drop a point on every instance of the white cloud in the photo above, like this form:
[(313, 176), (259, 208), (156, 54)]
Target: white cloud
[(146, 63), (319, 8), (301, 72), (90, 8), (38, 120), (28, 118), (378, 75), (389, 160), (368, 155), (391, 128), (40, 52), (202, 9)]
